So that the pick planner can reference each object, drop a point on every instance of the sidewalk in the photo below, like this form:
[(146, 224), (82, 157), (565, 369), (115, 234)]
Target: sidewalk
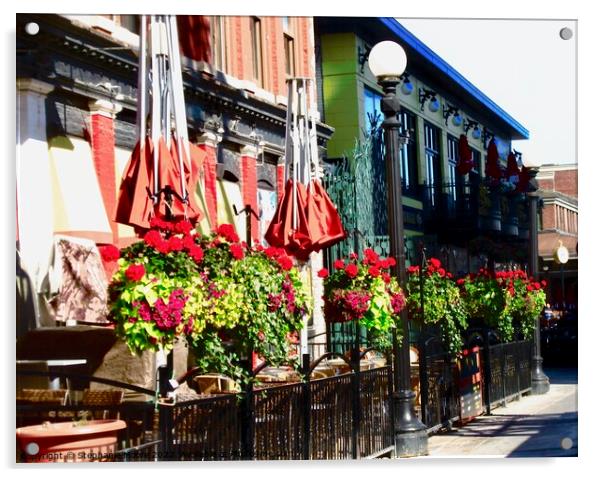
[(534, 426)]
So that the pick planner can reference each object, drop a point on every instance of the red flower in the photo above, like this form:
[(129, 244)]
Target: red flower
[(391, 262), (374, 271), (413, 269), (323, 273), (351, 270), (135, 272), (196, 253), (441, 272), (435, 263), (449, 275), (183, 227), (188, 242), (175, 244), (370, 256), (387, 277), (529, 288), (460, 282), (163, 246), (152, 238), (544, 283), (237, 251), (537, 285), (158, 223), (274, 252), (339, 264), (285, 262), (228, 232), (353, 256), (110, 253)]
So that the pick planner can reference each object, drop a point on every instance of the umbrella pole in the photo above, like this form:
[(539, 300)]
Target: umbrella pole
[(141, 117), (156, 107)]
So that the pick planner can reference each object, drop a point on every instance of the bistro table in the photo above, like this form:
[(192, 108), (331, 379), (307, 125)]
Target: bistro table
[(50, 365)]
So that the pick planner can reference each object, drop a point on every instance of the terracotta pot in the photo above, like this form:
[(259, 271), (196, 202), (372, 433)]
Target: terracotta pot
[(93, 441)]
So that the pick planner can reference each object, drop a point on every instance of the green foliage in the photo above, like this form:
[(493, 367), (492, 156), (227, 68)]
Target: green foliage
[(364, 291), (443, 305)]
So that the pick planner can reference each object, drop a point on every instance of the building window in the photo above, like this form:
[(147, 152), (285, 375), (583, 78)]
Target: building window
[(257, 51), (289, 55), (129, 22), (452, 162), (408, 155), (433, 171), (218, 42), (372, 114)]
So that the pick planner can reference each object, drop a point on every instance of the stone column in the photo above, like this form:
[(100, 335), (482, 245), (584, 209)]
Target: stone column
[(34, 185)]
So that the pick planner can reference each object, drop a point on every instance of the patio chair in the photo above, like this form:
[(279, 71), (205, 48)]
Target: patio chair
[(103, 397)]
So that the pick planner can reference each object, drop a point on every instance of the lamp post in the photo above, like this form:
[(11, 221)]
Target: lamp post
[(540, 383), (387, 61)]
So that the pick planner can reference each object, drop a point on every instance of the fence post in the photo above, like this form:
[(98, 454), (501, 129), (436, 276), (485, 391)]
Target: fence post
[(306, 408), (487, 365), (423, 376), (504, 358), (247, 410), (355, 386)]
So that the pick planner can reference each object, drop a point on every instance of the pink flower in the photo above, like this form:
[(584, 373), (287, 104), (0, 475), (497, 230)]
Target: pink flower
[(323, 273), (135, 272), (110, 253)]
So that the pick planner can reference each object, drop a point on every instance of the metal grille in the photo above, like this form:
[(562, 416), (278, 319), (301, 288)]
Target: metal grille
[(376, 424), (331, 418), (279, 432), (206, 429)]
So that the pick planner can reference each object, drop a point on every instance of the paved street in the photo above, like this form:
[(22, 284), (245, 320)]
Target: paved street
[(534, 426)]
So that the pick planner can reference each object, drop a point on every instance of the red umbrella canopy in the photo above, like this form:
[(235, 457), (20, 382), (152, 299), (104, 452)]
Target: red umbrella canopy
[(465, 163), (192, 168), (324, 223), (512, 166), (523, 180), (133, 207), (282, 231), (135, 204), (492, 168)]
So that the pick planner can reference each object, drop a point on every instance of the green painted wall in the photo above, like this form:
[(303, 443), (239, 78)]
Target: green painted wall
[(340, 90)]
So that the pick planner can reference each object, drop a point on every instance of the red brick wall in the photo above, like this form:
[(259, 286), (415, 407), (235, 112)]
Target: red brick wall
[(240, 60), (566, 182), (248, 167), (102, 141), (548, 218)]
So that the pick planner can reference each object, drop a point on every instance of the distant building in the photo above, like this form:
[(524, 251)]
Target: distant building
[(459, 218), (559, 223)]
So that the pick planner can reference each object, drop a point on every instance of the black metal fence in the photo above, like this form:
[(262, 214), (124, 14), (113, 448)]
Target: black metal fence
[(344, 416)]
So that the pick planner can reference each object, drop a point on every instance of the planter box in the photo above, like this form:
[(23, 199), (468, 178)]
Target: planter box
[(94, 441)]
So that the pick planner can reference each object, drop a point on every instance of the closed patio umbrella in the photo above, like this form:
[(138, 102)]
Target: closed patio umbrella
[(465, 163), (164, 168), (492, 167)]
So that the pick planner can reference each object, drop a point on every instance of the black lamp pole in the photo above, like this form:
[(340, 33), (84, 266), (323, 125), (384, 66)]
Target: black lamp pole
[(540, 383), (410, 432)]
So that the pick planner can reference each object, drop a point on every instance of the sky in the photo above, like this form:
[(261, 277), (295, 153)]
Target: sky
[(522, 65)]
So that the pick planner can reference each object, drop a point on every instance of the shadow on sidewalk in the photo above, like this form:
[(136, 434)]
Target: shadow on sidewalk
[(562, 375), (547, 435)]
